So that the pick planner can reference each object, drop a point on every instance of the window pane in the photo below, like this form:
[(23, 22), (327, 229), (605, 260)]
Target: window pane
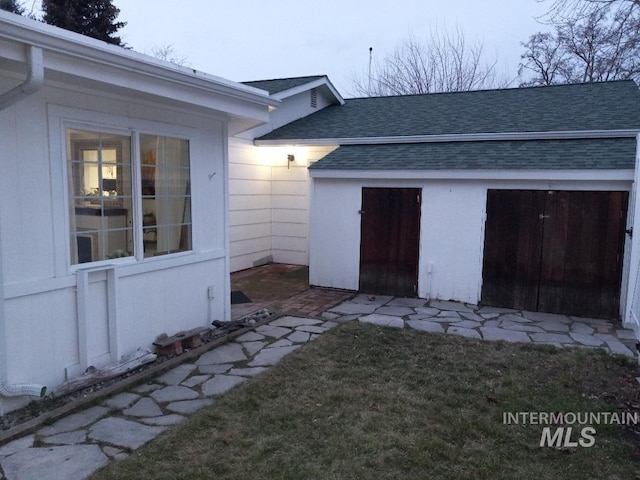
[(101, 204), (166, 195)]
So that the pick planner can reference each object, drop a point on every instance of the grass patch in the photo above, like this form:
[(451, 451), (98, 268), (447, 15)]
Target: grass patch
[(363, 402)]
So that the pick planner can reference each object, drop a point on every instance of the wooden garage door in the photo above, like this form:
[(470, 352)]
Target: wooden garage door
[(390, 236), (554, 251)]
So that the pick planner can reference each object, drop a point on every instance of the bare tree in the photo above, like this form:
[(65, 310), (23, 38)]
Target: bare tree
[(560, 10), (602, 46), (168, 54), (444, 63)]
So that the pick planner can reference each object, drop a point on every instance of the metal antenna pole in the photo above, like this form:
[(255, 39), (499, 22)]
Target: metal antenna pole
[(370, 56)]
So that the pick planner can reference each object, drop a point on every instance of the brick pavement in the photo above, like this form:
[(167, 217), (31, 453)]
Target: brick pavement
[(285, 289)]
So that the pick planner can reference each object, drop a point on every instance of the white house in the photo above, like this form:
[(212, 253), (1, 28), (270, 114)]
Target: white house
[(113, 201), (518, 198)]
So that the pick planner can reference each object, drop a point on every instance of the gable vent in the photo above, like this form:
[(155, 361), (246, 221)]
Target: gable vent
[(314, 98)]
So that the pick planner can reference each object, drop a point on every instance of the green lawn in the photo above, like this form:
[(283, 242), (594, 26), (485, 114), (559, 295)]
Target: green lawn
[(363, 402)]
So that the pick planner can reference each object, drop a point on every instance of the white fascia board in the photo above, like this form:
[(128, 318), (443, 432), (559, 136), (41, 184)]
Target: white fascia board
[(324, 81), (622, 175), (65, 51), (457, 137)]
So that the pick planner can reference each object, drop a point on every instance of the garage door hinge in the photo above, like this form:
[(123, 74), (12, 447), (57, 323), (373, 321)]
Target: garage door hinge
[(542, 216)]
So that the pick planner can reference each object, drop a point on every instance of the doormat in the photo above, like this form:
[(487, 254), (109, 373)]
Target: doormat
[(239, 297)]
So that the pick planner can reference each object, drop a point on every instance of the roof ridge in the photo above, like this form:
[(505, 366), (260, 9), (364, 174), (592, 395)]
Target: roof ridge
[(507, 89)]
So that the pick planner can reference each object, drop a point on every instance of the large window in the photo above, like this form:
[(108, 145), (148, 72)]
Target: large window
[(111, 216)]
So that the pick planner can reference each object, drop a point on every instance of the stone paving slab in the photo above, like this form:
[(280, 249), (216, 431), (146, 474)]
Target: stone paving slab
[(227, 353), (620, 349), (68, 438), (164, 421), (587, 340), (253, 347), (195, 380), (352, 308), (427, 311), (467, 324), (521, 327), (122, 400), (214, 369), (554, 326), (299, 337), (145, 407), (271, 356), (221, 384), (54, 463), (249, 337), (177, 375), (274, 332), (283, 342), (383, 320), (173, 394), (492, 333), (123, 433), (464, 332), (425, 326), (396, 311), (189, 406), (74, 421), (17, 445), (311, 329)]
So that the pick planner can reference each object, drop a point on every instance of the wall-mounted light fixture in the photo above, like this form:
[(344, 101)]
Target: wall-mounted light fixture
[(290, 158)]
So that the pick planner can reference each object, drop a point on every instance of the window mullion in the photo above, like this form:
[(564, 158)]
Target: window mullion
[(137, 197)]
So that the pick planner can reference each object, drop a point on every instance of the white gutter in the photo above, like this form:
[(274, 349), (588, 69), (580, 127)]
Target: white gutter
[(457, 137), (34, 80)]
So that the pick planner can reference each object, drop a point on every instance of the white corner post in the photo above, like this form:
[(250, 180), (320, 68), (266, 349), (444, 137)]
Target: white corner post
[(631, 318)]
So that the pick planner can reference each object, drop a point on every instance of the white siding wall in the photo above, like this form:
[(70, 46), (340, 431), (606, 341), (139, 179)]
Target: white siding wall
[(249, 206), (269, 213), (452, 231), (42, 343)]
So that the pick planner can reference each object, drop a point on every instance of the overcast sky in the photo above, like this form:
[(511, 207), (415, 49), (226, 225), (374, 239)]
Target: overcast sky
[(258, 39)]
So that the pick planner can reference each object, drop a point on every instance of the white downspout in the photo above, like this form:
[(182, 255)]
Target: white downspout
[(18, 390), (34, 80)]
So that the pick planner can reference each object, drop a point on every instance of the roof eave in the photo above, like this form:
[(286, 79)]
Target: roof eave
[(63, 44), (319, 82), (551, 175), (456, 137)]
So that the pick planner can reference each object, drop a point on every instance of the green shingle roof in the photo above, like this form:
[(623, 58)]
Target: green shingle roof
[(592, 106), (610, 153), (278, 85)]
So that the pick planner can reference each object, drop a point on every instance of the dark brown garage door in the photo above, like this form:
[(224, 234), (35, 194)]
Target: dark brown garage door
[(390, 236), (554, 251)]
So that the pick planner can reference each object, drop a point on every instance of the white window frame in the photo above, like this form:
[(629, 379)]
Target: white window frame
[(62, 119)]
